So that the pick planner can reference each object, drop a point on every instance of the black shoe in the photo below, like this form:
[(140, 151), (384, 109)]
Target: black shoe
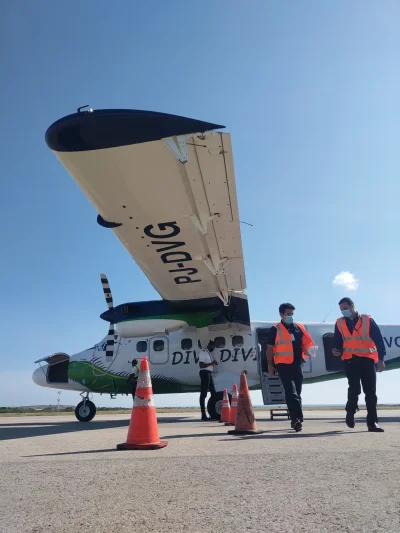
[(375, 428), (296, 425), (350, 420)]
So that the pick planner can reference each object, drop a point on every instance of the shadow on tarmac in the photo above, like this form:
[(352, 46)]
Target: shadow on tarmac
[(266, 435), (23, 430)]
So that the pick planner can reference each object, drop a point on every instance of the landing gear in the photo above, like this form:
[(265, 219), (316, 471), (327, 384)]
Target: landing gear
[(214, 405), (85, 410)]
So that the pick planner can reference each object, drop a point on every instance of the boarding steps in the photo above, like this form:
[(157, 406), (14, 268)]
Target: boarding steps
[(273, 394)]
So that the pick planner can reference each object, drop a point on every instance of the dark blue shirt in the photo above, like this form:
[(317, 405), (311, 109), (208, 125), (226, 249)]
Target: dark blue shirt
[(298, 335), (375, 334)]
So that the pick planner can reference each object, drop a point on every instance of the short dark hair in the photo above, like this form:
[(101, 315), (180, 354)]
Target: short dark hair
[(134, 362), (283, 307), (347, 301), (211, 343)]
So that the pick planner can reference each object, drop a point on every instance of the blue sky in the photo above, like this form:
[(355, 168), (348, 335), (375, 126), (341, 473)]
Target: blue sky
[(308, 90)]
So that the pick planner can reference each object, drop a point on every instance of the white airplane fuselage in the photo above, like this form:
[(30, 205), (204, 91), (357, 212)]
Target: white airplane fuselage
[(174, 362)]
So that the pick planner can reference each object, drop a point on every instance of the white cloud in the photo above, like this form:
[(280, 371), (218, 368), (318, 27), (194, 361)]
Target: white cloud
[(347, 280)]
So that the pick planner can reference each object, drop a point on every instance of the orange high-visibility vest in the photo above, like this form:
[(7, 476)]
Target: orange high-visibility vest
[(359, 342), (283, 349)]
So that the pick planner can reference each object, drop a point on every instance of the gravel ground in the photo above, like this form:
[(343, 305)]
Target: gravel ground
[(58, 475)]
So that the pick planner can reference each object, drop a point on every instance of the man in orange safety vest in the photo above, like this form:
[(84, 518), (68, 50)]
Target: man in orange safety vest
[(359, 342), (287, 346)]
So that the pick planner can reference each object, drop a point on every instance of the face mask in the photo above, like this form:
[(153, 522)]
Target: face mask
[(288, 319), (346, 313)]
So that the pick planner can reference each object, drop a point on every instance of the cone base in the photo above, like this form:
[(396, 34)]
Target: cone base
[(245, 432), (129, 446)]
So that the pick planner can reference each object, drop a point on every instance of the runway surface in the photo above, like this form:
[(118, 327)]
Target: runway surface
[(58, 475)]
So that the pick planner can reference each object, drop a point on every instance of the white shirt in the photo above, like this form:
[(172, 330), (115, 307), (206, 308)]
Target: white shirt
[(205, 357)]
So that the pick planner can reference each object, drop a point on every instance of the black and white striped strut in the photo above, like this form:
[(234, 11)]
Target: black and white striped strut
[(111, 337), (107, 291)]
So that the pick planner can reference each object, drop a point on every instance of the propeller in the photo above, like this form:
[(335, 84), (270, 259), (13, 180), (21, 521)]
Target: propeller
[(111, 337)]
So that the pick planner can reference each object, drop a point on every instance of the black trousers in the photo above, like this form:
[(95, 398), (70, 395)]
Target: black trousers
[(361, 371), (207, 384), (292, 381), (134, 385)]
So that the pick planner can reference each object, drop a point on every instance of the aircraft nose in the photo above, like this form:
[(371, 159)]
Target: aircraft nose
[(39, 376)]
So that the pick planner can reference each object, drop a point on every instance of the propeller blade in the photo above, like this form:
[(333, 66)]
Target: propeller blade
[(110, 341), (107, 291)]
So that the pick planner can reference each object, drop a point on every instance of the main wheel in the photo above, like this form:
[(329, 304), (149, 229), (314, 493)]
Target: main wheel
[(85, 411), (214, 405)]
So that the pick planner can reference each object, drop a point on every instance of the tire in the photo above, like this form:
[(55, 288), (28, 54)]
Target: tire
[(85, 413), (214, 405)]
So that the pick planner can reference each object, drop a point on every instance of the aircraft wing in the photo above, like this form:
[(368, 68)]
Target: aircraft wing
[(165, 186)]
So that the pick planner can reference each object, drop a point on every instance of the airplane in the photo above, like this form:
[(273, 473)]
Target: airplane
[(165, 186)]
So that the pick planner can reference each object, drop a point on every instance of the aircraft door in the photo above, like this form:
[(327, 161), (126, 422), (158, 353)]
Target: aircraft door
[(158, 350)]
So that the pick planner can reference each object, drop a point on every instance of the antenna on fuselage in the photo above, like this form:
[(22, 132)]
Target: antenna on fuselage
[(324, 320)]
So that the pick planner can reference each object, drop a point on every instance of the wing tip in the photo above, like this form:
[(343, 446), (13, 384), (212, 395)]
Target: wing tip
[(111, 128)]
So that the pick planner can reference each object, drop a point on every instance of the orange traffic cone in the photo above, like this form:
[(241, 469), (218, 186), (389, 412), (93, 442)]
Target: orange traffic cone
[(226, 408), (245, 421), (232, 419), (143, 428)]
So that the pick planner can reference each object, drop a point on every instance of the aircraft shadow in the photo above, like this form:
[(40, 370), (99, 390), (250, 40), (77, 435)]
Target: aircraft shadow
[(292, 435), (22, 430), (382, 419), (71, 453), (266, 435)]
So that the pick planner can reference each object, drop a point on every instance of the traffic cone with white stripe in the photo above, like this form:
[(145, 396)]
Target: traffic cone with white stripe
[(143, 428), (226, 408), (232, 418), (245, 423)]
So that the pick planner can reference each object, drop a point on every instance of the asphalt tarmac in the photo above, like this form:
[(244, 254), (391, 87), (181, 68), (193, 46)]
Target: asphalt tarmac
[(59, 476)]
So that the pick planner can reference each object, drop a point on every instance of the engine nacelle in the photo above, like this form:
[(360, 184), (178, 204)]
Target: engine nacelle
[(148, 327)]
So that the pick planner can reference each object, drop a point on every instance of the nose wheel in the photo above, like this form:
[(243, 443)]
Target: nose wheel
[(85, 410)]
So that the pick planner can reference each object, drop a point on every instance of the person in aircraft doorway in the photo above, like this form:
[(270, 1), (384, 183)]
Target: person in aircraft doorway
[(206, 363), (358, 340), (287, 346), (133, 378)]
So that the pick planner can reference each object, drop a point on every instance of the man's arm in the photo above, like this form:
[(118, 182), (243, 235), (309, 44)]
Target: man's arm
[(270, 350), (206, 365), (376, 336), (337, 342), (270, 354)]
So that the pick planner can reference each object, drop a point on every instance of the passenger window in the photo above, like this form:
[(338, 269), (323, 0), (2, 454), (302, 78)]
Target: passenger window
[(141, 346), (219, 342), (186, 344), (237, 341), (158, 346)]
